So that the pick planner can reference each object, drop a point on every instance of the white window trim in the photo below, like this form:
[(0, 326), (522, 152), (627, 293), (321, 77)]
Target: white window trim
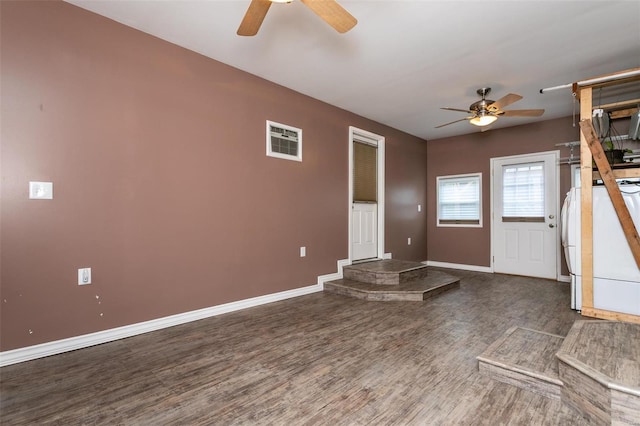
[(270, 153), (459, 225)]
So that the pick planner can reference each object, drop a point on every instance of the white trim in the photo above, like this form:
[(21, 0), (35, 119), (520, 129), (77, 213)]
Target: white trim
[(84, 341), (386, 256), (378, 141), (336, 275), (574, 168), (475, 268), (462, 267)]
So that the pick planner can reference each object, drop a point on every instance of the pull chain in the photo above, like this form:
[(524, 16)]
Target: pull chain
[(574, 109)]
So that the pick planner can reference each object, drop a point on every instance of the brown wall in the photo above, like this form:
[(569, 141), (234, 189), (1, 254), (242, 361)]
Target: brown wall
[(471, 154), (161, 183)]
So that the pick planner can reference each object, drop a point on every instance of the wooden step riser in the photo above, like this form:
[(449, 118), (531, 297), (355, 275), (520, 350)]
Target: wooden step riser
[(385, 278), (521, 380), (376, 297), (388, 296), (591, 370), (599, 368)]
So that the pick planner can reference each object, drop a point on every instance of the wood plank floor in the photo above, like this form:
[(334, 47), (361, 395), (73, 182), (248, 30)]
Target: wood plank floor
[(316, 359)]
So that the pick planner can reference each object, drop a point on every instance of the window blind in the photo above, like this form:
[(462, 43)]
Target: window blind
[(523, 192), (459, 200), (365, 165)]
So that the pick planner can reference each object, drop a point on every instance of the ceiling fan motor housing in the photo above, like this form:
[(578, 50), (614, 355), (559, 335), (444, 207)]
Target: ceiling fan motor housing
[(481, 105)]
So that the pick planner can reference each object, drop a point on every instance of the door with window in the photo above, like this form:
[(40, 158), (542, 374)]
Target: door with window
[(364, 212), (525, 212)]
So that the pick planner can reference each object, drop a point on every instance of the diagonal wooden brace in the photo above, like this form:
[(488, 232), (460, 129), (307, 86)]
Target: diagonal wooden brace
[(607, 176)]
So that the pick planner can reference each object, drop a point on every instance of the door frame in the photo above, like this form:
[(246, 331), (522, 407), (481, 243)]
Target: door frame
[(377, 140), (525, 158)]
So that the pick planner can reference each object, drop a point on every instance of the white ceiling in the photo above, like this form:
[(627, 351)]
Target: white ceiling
[(406, 59)]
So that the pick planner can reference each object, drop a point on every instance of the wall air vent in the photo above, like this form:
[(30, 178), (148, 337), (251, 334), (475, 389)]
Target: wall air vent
[(284, 141)]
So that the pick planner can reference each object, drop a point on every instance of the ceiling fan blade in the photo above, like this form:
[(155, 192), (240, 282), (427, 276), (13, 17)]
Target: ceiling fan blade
[(446, 124), (523, 113), (458, 109), (504, 101), (332, 13), (253, 18)]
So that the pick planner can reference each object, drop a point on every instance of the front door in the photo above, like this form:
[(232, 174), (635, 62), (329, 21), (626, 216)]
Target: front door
[(525, 215)]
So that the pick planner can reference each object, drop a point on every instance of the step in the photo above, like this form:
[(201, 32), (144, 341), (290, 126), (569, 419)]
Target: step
[(431, 284), (599, 364), (524, 358), (385, 272)]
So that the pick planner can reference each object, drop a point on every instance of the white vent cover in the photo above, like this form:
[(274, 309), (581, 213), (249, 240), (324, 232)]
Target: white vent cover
[(284, 141)]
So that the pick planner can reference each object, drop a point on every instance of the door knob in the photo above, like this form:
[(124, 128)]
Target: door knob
[(551, 225)]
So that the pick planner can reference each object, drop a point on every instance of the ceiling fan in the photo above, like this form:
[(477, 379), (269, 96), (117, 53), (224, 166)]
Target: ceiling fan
[(329, 10), (486, 111)]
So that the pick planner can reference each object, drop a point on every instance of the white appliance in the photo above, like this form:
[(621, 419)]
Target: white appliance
[(616, 277)]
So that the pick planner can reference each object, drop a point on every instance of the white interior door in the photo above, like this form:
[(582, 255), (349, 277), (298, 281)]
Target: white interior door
[(366, 195), (525, 215), (364, 241)]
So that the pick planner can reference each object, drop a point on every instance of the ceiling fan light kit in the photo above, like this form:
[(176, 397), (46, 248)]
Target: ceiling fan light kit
[(486, 111), (483, 120)]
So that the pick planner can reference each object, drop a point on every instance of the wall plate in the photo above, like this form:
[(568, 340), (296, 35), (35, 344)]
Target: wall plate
[(41, 190)]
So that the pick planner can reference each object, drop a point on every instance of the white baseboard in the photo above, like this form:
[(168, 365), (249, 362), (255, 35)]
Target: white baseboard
[(561, 278), (335, 276), (386, 256), (463, 267), (78, 342)]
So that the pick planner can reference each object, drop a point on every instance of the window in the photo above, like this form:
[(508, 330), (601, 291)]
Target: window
[(365, 173), (523, 193), (459, 201), (284, 141)]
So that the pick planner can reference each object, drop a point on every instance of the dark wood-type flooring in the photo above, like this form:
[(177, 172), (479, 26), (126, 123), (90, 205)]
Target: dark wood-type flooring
[(313, 360)]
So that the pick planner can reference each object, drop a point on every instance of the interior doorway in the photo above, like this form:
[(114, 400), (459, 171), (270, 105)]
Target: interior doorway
[(366, 195)]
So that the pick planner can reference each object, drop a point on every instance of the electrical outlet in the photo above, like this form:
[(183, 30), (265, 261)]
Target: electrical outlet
[(41, 190), (84, 276)]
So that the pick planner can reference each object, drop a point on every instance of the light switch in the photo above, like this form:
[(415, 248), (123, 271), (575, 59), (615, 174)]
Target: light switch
[(84, 276), (419, 208), (41, 190), (303, 251)]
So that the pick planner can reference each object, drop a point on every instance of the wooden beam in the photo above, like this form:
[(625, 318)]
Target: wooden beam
[(609, 180), (623, 113), (620, 104), (586, 211), (605, 80), (619, 173), (610, 315)]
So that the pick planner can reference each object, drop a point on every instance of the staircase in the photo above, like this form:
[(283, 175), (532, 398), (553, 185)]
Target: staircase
[(391, 280), (595, 369)]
